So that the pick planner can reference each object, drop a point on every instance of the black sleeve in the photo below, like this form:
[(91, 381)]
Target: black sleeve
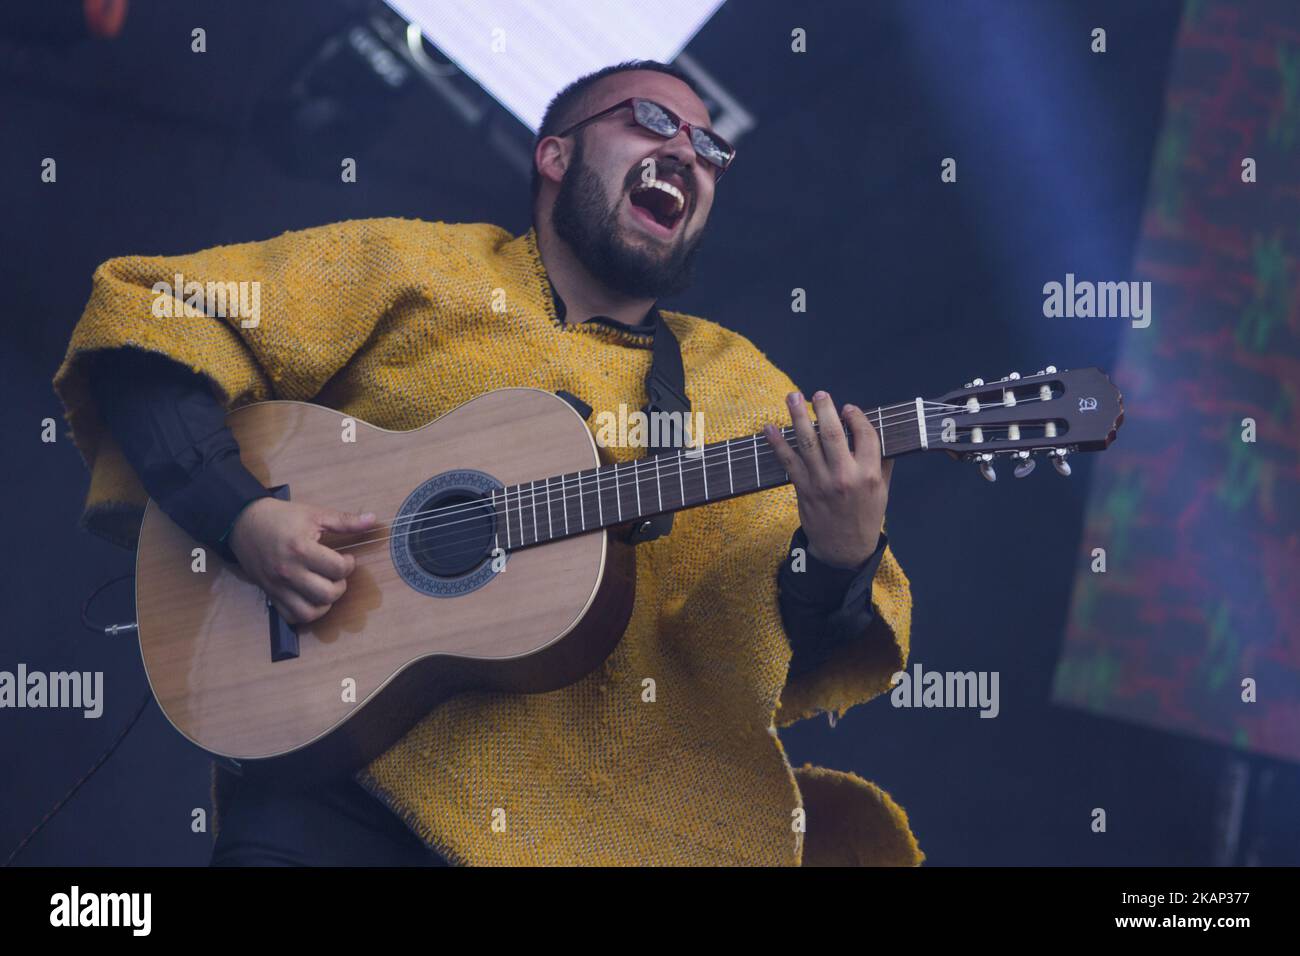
[(172, 429), (823, 607)]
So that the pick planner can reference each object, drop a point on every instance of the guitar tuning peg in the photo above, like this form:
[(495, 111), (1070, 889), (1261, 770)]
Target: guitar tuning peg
[(1059, 463), (986, 468), (977, 383), (1050, 370), (1014, 376), (1025, 465)]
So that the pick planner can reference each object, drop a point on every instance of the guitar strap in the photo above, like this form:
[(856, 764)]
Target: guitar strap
[(665, 386)]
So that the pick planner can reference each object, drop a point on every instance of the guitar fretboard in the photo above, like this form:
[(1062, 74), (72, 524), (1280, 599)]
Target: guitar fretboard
[(547, 509)]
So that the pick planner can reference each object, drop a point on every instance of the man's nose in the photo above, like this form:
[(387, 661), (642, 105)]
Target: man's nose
[(681, 149)]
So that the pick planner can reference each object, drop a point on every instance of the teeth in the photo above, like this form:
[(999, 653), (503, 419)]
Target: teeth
[(669, 189)]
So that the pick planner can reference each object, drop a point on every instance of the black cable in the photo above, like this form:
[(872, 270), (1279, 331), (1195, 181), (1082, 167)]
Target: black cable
[(85, 605), (101, 629), (77, 786)]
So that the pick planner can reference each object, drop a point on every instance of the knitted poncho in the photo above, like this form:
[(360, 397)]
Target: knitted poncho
[(668, 753)]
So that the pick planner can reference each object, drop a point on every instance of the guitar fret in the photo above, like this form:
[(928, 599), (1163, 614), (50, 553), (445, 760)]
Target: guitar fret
[(508, 543), (581, 508), (681, 479), (523, 530), (519, 511), (496, 535), (532, 494), (704, 469), (618, 497), (731, 484), (658, 484)]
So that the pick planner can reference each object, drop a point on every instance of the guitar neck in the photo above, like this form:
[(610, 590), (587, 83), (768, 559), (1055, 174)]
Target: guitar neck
[(560, 506)]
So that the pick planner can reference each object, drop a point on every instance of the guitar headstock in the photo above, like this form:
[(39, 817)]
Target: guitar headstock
[(1054, 412)]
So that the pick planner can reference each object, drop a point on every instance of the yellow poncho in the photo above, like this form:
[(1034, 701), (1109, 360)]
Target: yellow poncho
[(396, 322)]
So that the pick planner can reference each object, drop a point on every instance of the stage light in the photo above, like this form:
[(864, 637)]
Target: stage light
[(524, 53)]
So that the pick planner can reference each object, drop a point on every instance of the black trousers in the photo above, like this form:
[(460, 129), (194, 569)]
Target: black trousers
[(336, 824)]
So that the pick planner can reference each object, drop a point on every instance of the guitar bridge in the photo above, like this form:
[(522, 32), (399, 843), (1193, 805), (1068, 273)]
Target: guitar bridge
[(284, 639)]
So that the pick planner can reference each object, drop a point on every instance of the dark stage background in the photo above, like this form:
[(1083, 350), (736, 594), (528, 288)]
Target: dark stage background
[(913, 286)]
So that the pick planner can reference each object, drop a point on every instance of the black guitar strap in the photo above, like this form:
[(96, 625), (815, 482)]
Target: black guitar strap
[(665, 386)]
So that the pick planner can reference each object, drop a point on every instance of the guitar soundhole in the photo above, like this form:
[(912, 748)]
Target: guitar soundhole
[(444, 534), (455, 535)]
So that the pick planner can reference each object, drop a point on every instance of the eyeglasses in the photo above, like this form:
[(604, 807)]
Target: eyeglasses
[(710, 147)]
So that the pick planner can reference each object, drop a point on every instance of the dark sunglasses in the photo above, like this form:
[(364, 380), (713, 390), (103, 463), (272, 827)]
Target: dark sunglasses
[(710, 147)]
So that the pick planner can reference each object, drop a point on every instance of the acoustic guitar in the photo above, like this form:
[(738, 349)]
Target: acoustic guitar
[(498, 561)]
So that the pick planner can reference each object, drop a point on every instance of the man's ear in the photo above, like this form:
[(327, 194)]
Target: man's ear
[(552, 158)]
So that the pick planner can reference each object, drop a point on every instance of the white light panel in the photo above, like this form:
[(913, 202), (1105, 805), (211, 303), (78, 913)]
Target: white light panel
[(523, 52)]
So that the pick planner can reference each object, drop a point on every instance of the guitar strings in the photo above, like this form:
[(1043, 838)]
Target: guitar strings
[(486, 506), (444, 543), (680, 463), (516, 498)]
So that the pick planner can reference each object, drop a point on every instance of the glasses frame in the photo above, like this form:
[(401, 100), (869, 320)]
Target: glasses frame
[(677, 120)]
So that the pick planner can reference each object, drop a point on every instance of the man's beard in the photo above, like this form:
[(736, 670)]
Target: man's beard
[(581, 218)]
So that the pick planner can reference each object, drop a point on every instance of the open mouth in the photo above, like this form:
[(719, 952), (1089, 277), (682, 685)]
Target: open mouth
[(658, 204)]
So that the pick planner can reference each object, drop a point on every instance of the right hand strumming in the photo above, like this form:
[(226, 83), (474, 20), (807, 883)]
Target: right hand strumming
[(278, 546)]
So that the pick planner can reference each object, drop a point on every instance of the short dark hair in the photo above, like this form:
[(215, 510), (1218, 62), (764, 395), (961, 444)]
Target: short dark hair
[(564, 107)]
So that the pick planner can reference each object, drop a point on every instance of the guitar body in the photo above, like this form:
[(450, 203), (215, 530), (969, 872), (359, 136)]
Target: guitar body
[(413, 627)]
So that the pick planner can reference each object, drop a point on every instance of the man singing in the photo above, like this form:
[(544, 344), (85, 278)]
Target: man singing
[(752, 613)]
